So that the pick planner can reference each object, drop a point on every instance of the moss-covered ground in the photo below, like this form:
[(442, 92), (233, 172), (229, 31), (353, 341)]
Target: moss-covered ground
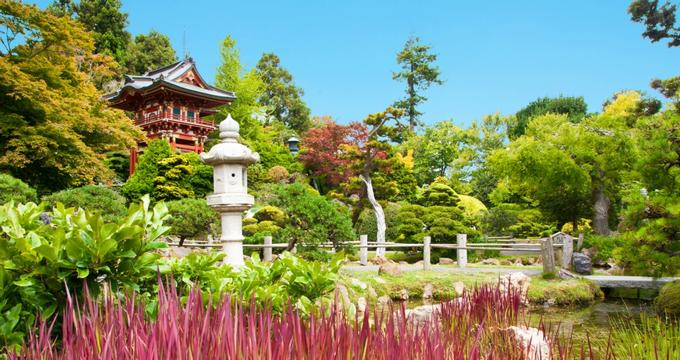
[(557, 292)]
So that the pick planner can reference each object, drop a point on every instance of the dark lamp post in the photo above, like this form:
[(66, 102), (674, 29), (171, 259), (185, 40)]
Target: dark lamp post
[(293, 143)]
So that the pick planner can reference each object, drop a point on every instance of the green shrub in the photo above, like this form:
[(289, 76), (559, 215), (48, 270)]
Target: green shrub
[(43, 257), (142, 181), (13, 189), (94, 198), (271, 213), (367, 225), (668, 301), (603, 246), (190, 218)]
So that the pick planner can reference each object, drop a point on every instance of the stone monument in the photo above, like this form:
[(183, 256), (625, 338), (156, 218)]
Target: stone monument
[(230, 161)]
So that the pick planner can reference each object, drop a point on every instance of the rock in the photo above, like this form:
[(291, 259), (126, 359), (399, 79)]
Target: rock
[(518, 263), (379, 260), (515, 281), (379, 280), (505, 262), (459, 287), (422, 314), (445, 261), (362, 304), (371, 293), (428, 289), (179, 252), (342, 294), (491, 261), (389, 269), (419, 263), (550, 302), (384, 300), (403, 263), (531, 340), (358, 283), (403, 294), (531, 261), (582, 263)]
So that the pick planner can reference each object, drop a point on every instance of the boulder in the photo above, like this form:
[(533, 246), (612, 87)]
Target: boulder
[(390, 269), (582, 263), (506, 262), (403, 263), (445, 261), (428, 289), (515, 281), (491, 261), (403, 294), (518, 262), (459, 287), (379, 260), (531, 341), (422, 314), (358, 283)]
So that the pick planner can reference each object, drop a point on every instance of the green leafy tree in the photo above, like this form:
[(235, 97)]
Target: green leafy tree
[(442, 150), (107, 22), (119, 163), (54, 126), (13, 189), (171, 184), (574, 108), (652, 217), (419, 73), (142, 181), (93, 198), (190, 218), (311, 218), (659, 21), (487, 137), (246, 83), (281, 98), (149, 52)]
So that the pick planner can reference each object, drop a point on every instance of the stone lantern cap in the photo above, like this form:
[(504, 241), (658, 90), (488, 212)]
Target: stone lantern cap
[(229, 150)]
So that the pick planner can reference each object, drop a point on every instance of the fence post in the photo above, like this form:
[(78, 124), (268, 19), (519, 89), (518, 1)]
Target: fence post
[(363, 249), (579, 243), (567, 251), (426, 252), (548, 254), (461, 252), (267, 251)]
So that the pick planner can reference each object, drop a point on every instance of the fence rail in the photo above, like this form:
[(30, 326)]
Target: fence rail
[(559, 243)]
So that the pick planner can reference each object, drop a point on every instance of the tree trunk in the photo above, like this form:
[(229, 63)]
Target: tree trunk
[(379, 214), (601, 204)]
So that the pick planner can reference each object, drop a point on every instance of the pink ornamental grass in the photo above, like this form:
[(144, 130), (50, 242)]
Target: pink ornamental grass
[(468, 328)]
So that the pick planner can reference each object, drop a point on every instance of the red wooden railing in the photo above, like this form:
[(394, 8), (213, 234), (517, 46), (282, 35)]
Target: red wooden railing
[(152, 117)]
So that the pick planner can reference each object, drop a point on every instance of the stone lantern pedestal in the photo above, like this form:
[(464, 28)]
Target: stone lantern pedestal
[(230, 161)]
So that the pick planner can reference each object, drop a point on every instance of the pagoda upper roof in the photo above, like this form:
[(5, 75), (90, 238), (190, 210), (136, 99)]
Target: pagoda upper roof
[(181, 77)]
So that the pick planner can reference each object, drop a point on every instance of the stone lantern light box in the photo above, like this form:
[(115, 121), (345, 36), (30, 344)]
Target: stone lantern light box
[(230, 161)]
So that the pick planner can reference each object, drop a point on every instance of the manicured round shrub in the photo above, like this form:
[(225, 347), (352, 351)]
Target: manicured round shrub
[(668, 301), (271, 213), (94, 198), (471, 206), (190, 218), (13, 189), (278, 173)]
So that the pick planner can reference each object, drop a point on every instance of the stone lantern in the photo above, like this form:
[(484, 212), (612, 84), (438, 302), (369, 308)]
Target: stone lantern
[(230, 161)]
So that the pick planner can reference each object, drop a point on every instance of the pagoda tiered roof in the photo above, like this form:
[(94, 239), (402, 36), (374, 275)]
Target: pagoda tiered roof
[(181, 78)]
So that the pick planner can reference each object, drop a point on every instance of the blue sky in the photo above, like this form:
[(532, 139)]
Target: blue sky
[(496, 56)]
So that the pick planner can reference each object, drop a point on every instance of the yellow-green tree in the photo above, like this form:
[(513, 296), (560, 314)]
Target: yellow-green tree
[(54, 127)]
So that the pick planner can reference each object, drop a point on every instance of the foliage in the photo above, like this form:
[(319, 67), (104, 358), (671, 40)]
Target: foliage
[(190, 218), (497, 221), (668, 301), (107, 22), (148, 52), (93, 198), (278, 174), (43, 257), (651, 223), (659, 21), (442, 150), (438, 194), (312, 219), (471, 206), (142, 181), (280, 96), (650, 338), (55, 126), (395, 183), (419, 73), (366, 225), (170, 183), (119, 163), (574, 108), (270, 143), (485, 138), (12, 189), (246, 83), (320, 149)]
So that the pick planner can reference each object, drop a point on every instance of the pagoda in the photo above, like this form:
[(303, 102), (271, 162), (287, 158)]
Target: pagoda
[(170, 103)]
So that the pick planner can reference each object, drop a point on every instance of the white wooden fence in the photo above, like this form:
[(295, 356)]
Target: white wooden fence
[(559, 244)]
